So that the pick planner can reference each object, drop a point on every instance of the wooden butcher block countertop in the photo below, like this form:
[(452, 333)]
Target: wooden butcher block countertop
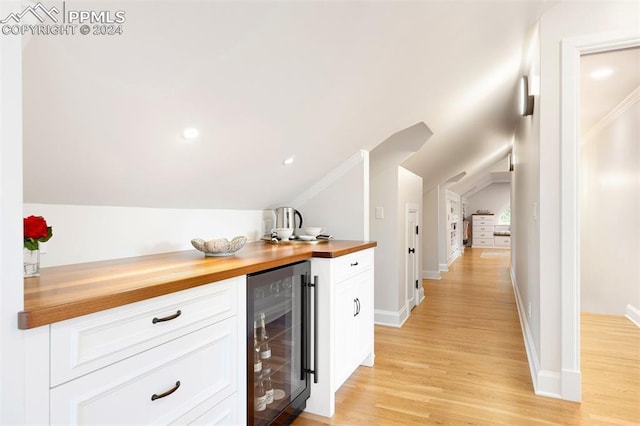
[(70, 291)]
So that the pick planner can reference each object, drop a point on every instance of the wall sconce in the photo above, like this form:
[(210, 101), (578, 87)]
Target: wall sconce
[(526, 100)]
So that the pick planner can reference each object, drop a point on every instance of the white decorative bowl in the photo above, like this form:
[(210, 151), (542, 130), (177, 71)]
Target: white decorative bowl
[(284, 233), (219, 246), (312, 230)]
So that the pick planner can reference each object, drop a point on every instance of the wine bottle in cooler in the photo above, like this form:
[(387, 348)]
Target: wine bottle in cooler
[(265, 345), (260, 403), (257, 361), (268, 390)]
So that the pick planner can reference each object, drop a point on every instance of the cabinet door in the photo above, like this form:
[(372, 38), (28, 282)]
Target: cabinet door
[(363, 322), (354, 324), (345, 333)]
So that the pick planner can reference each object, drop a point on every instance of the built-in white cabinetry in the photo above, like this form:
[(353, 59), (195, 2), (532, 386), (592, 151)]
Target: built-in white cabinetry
[(345, 324), (454, 228), (482, 230), (354, 316), (502, 240), (177, 358)]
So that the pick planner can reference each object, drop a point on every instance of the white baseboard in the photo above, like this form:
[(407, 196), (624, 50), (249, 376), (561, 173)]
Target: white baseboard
[(443, 267), (532, 355), (431, 275), (548, 384), (633, 314), (391, 318), (566, 385), (545, 383), (453, 258), (571, 382)]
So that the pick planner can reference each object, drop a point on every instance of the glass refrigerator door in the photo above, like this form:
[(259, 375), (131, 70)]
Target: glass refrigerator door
[(275, 343)]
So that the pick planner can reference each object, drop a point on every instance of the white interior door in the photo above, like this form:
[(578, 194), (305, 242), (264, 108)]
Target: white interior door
[(411, 268)]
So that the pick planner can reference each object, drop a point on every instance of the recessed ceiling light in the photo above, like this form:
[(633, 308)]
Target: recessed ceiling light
[(190, 133), (289, 160), (601, 73)]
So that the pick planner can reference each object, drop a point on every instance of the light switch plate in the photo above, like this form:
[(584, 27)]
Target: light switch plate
[(379, 212)]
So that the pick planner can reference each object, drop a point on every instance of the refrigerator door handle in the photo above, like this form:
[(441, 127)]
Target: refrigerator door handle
[(304, 330), (314, 285), (314, 371)]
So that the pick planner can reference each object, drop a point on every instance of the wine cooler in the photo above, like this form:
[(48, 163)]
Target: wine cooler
[(279, 318)]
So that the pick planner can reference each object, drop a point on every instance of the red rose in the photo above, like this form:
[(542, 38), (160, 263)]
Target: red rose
[(35, 227)]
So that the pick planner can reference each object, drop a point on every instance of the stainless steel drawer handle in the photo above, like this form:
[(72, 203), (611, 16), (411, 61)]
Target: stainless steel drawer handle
[(169, 318), (167, 393), (354, 264)]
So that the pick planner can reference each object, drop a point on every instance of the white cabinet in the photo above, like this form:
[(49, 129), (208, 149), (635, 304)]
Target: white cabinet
[(482, 230), (354, 331), (186, 348), (453, 225), (159, 386), (502, 236), (345, 324), (502, 241), (84, 344)]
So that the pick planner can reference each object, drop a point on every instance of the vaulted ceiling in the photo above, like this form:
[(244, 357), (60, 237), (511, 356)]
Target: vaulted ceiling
[(263, 81)]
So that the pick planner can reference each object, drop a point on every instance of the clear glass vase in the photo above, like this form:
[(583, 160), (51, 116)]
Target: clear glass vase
[(31, 263)]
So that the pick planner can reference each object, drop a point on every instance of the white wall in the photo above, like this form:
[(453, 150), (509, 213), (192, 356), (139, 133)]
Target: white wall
[(392, 188), (384, 194), (537, 185), (494, 198), (90, 233), (430, 211), (409, 192), (609, 225), (340, 201), (525, 204), (12, 389)]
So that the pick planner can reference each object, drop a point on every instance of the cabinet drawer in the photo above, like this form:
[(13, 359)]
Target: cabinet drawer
[(483, 222), (502, 241), (85, 344), (225, 413), (203, 362), (477, 218), (482, 242), (353, 263), (483, 228), (483, 234)]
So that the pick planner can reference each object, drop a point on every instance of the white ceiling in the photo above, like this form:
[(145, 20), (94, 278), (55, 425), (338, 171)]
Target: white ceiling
[(262, 81)]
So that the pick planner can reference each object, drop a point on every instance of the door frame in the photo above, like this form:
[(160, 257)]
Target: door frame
[(571, 51)]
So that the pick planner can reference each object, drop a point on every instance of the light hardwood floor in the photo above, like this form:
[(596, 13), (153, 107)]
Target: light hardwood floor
[(460, 359)]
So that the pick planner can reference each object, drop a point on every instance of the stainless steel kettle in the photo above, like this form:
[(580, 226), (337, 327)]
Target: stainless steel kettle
[(285, 217)]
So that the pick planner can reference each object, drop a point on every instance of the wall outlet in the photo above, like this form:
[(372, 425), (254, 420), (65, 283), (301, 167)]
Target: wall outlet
[(529, 310)]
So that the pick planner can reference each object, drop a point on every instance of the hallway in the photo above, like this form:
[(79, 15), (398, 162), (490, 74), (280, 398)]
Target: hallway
[(460, 358)]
